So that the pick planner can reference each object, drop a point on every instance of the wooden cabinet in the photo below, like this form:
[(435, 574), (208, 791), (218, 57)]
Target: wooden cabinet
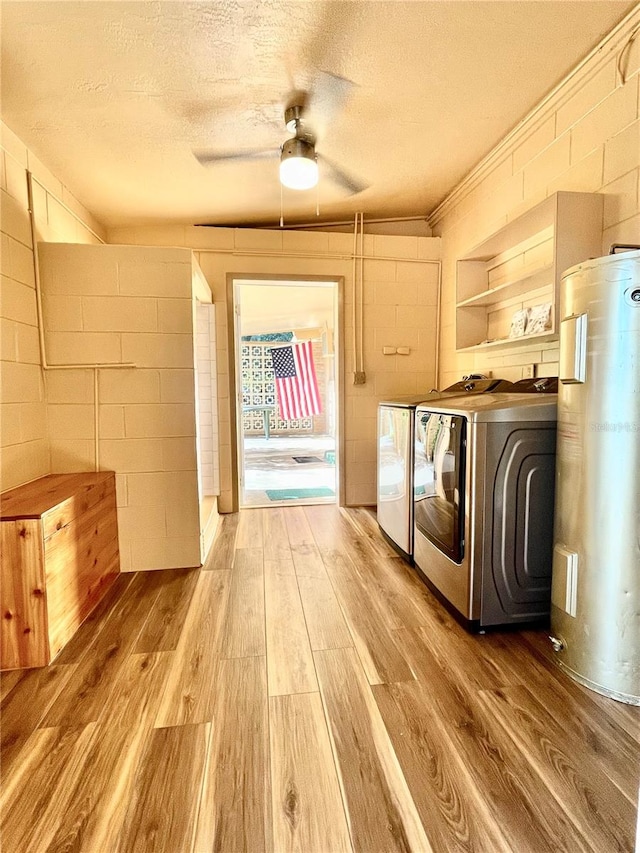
[(59, 538), (520, 267)]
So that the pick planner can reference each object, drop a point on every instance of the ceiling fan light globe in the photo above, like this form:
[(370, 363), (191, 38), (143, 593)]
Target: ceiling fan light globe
[(298, 165), (298, 173)]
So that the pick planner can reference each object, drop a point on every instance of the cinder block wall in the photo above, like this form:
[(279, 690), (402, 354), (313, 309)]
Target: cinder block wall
[(400, 303), (59, 217), (586, 138), (128, 304)]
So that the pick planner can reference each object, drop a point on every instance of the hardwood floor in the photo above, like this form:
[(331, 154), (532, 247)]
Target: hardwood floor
[(304, 691)]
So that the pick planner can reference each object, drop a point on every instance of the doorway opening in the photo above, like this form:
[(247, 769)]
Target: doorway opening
[(287, 391)]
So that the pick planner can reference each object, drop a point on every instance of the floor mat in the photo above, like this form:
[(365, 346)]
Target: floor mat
[(307, 458), (298, 494)]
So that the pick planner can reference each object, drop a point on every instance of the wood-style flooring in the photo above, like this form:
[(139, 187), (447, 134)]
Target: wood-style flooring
[(305, 692)]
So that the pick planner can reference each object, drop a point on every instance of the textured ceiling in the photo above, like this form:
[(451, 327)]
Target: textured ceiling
[(115, 96)]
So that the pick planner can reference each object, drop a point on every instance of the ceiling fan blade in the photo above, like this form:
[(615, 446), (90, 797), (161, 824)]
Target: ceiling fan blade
[(337, 173), (202, 114), (327, 98), (208, 158)]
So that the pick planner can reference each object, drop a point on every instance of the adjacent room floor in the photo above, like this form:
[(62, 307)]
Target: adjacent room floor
[(304, 691), (289, 470)]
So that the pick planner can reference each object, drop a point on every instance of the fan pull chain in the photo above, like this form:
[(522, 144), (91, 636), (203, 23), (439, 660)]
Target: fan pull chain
[(318, 199), (281, 209)]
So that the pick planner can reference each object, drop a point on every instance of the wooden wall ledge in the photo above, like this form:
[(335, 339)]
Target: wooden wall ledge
[(35, 499)]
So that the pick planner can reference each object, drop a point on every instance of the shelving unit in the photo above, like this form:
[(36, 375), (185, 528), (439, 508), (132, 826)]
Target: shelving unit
[(520, 266)]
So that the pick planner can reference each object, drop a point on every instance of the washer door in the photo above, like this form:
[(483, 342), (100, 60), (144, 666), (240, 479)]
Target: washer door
[(439, 481)]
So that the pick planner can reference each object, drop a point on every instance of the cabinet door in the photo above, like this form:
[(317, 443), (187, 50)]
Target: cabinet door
[(24, 608), (81, 562)]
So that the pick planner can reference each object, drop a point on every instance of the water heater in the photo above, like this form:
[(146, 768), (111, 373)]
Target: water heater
[(595, 614)]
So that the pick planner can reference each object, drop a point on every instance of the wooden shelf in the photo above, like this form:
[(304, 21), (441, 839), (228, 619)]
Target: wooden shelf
[(510, 289), (528, 258), (539, 338)]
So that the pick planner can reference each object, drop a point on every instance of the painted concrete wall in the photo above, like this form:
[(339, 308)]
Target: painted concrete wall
[(59, 217), (125, 304), (586, 138), (400, 292), (86, 319)]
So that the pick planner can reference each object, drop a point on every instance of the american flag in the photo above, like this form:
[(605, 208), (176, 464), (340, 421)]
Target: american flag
[(296, 383)]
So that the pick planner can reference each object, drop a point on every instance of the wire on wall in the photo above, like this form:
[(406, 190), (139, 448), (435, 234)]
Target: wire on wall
[(623, 56), (436, 366), (359, 377), (362, 296), (354, 306), (95, 367)]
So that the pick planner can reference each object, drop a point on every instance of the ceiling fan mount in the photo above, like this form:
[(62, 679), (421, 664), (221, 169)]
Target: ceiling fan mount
[(294, 120)]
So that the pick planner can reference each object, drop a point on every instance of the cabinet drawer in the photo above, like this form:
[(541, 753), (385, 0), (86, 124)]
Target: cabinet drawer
[(75, 506)]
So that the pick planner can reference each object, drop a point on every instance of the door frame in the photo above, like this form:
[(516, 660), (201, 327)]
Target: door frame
[(233, 349)]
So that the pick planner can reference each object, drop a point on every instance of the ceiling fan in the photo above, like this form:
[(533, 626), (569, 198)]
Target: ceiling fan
[(298, 156)]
